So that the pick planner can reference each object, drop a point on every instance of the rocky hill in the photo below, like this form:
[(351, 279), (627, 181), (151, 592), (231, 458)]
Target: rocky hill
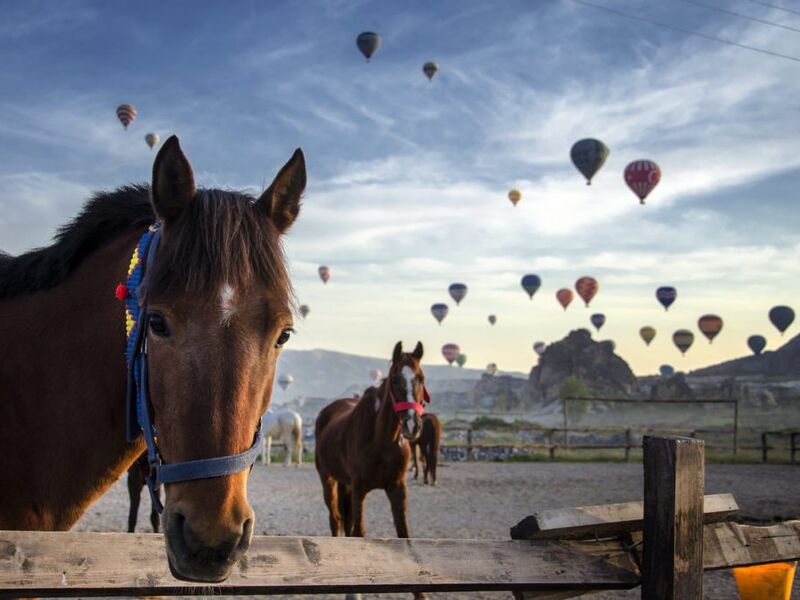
[(783, 362)]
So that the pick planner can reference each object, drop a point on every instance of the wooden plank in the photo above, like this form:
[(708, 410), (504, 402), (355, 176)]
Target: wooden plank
[(729, 545), (605, 520), (114, 564), (674, 477)]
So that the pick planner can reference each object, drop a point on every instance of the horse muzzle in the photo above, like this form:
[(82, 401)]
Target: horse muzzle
[(411, 425)]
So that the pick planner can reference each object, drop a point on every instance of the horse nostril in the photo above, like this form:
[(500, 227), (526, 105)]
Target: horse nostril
[(247, 532)]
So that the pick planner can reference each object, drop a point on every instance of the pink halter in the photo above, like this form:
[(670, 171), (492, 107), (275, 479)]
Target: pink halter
[(400, 406)]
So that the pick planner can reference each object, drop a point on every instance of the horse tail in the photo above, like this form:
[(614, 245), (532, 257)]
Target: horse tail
[(297, 436)]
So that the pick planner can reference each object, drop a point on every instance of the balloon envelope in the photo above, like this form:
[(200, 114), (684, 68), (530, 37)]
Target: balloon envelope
[(461, 359), (439, 312), (683, 339), (710, 326), (126, 113), (666, 370), (285, 381), (647, 333), (642, 176), (376, 375), (587, 287), (530, 283), (450, 352), (491, 368), (564, 297), (782, 317), (666, 295), (324, 273), (457, 292), (430, 69), (757, 343), (304, 310), (598, 320), (539, 348), (492, 319), (368, 42), (515, 196), (152, 139), (588, 156)]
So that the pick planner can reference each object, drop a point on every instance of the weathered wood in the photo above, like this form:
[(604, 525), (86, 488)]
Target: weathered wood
[(109, 564), (727, 545), (672, 563), (605, 520)]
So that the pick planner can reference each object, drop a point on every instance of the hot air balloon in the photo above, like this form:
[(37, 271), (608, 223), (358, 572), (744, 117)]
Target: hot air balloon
[(683, 339), (376, 376), (285, 381), (539, 348), (492, 319), (782, 317), (598, 320), (666, 370), (588, 156), (642, 176), (531, 283), (451, 352), (324, 273), (757, 343), (461, 360), (587, 287), (126, 113), (491, 369), (666, 295), (152, 139), (439, 312), (457, 292), (647, 333), (368, 42), (304, 310), (515, 196), (430, 69), (710, 326), (564, 297)]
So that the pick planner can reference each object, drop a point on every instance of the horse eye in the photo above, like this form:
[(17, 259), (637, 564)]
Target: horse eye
[(158, 325), (283, 338)]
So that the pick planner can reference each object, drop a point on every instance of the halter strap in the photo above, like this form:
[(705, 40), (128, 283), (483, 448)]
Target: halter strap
[(419, 407)]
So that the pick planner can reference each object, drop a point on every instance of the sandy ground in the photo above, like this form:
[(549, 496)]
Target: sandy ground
[(482, 500)]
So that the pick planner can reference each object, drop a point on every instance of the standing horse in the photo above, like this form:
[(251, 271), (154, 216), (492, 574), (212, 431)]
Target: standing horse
[(362, 445), (428, 444), (209, 287), (287, 426), (137, 479)]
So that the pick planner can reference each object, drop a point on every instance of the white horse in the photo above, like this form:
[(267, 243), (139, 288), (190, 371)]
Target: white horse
[(287, 426)]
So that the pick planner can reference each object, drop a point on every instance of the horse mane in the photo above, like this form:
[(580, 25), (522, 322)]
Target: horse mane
[(220, 239)]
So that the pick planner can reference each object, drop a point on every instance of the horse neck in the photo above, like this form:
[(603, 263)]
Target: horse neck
[(386, 424), (63, 357)]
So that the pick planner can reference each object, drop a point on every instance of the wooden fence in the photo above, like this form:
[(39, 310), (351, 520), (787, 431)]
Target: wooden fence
[(663, 544)]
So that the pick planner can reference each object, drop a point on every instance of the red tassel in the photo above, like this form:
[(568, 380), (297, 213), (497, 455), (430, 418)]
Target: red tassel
[(121, 292)]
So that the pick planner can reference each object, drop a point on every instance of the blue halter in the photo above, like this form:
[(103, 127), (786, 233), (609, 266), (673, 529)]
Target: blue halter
[(139, 417)]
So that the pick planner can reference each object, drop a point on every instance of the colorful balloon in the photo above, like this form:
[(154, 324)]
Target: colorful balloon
[(285, 381), (539, 348), (304, 310), (531, 283), (439, 312), (430, 69), (492, 319), (152, 139), (564, 297), (683, 339), (450, 352), (515, 196), (666, 295), (368, 42), (642, 176), (757, 343), (491, 369), (782, 317), (461, 360), (588, 156), (324, 273), (376, 375), (710, 326), (598, 320), (647, 333), (126, 113), (587, 287), (457, 292), (666, 370)]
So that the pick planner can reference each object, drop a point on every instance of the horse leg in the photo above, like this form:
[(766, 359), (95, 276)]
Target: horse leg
[(135, 484), (287, 457), (426, 462), (154, 519), (414, 458), (346, 509), (329, 491), (268, 451), (357, 496), (298, 445), (397, 495), (433, 461)]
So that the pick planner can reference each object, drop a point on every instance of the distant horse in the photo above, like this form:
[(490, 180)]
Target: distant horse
[(203, 290), (287, 426), (428, 444), (137, 476), (362, 445)]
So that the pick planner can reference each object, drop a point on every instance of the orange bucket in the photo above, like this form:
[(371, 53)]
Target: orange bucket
[(765, 582)]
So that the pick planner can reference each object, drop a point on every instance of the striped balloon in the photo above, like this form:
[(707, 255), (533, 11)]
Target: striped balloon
[(642, 176), (152, 139), (126, 113), (683, 339), (710, 326), (564, 297), (587, 287)]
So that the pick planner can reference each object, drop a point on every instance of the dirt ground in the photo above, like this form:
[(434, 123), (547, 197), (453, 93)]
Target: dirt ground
[(482, 500)]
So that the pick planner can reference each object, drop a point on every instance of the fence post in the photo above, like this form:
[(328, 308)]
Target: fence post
[(469, 444), (627, 445), (736, 427), (551, 450), (566, 435), (672, 564), (793, 447), (764, 449)]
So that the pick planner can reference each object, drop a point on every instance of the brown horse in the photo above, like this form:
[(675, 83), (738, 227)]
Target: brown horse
[(428, 444), (362, 445), (137, 475), (218, 302)]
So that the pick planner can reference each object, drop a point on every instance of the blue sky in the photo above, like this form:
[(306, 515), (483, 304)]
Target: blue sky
[(408, 178)]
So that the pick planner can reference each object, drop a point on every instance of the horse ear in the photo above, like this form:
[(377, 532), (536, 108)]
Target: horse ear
[(418, 351), (281, 200), (398, 351), (173, 182)]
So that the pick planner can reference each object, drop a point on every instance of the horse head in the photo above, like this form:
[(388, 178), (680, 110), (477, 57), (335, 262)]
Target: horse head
[(406, 382)]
